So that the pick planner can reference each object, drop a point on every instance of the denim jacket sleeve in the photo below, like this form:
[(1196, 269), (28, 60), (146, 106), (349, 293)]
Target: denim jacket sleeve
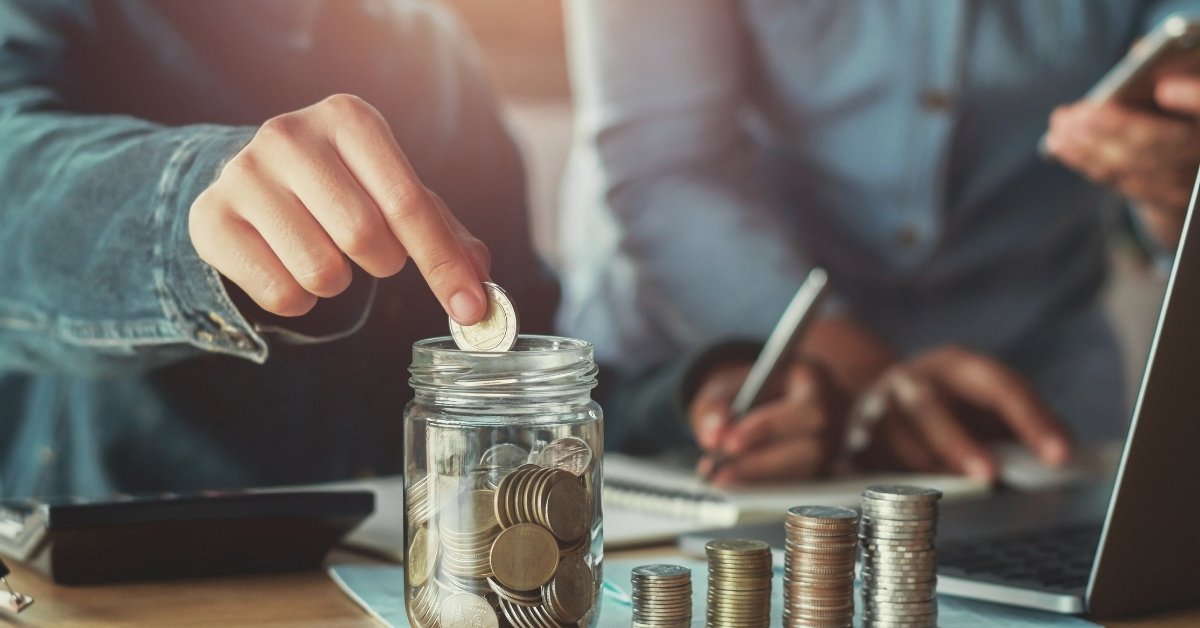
[(97, 271)]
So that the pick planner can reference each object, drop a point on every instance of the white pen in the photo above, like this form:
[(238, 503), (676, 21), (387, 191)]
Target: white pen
[(790, 328)]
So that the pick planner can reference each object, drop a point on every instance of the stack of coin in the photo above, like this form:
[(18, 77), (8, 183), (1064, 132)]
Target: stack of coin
[(739, 583), (818, 577), (899, 572), (467, 527), (425, 604), (418, 504), (514, 555), (550, 497), (662, 596)]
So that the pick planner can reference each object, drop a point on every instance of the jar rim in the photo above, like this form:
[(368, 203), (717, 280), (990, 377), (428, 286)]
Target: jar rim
[(527, 344), (540, 367)]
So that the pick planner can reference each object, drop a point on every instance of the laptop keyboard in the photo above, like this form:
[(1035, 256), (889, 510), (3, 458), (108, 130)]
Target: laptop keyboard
[(1058, 560)]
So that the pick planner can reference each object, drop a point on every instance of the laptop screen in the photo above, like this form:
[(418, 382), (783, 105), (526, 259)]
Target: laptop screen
[(1148, 557)]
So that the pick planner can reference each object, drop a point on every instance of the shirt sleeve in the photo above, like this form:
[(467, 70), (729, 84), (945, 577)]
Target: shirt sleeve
[(98, 271), (671, 240)]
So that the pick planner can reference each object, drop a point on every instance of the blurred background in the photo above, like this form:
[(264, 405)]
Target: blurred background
[(524, 48)]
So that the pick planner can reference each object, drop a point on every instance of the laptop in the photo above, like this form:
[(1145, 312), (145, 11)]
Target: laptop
[(1127, 547)]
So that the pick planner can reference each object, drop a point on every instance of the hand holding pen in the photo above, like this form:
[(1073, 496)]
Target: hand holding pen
[(775, 419)]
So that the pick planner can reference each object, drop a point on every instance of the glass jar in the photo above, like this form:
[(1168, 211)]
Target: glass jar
[(502, 460)]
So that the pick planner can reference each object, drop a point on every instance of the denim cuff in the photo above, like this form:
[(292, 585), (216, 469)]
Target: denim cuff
[(191, 292)]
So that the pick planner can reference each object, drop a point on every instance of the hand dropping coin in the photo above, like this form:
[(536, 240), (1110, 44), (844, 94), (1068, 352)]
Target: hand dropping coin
[(498, 329)]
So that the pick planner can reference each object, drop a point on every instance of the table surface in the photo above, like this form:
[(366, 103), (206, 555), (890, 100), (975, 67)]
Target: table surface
[(298, 599)]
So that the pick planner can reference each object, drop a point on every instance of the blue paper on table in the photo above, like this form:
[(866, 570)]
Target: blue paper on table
[(380, 590)]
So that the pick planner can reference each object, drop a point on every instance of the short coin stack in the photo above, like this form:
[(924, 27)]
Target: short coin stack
[(818, 578), (739, 583), (899, 572), (662, 596)]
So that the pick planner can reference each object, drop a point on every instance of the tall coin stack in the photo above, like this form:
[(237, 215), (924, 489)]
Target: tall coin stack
[(818, 577), (899, 572), (739, 583), (662, 596)]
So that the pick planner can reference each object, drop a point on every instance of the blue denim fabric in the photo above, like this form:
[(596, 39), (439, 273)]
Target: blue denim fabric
[(124, 362)]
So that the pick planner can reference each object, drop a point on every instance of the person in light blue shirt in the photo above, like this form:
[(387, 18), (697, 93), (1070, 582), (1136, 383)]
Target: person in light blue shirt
[(725, 147)]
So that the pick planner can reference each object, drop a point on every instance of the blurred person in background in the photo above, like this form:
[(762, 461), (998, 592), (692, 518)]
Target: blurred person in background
[(206, 209), (723, 148)]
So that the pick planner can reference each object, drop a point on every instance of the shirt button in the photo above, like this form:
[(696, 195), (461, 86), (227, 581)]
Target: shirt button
[(936, 100), (205, 336), (906, 236), (241, 342)]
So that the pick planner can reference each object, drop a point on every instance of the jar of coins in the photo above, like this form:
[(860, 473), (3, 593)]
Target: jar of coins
[(502, 475)]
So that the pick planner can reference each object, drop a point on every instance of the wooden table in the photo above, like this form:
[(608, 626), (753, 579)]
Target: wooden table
[(300, 599)]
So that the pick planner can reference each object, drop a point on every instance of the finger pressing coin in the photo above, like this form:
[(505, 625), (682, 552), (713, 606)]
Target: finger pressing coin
[(498, 329)]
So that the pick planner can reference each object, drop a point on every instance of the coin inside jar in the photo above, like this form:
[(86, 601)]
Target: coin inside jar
[(568, 594), (497, 331), (422, 556), (569, 454), (468, 611), (565, 511), (472, 513), (524, 556)]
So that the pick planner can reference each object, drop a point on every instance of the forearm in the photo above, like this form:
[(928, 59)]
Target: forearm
[(99, 272)]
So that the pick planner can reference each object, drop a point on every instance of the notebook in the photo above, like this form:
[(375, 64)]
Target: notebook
[(650, 501)]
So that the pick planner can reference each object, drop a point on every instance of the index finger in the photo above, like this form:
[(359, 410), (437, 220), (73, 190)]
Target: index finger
[(709, 411), (993, 386), (797, 413), (366, 146)]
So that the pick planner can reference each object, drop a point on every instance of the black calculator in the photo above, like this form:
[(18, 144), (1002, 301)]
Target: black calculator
[(164, 536)]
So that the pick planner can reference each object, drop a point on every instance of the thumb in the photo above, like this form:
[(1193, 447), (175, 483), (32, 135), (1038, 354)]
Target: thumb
[(709, 412)]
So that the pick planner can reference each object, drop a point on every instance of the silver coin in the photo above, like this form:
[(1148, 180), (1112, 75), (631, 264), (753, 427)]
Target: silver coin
[(569, 454), (902, 492), (832, 513), (662, 571), (497, 331), (469, 611), (504, 456)]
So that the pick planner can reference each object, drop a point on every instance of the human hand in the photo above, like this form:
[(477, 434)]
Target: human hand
[(795, 435), (933, 412), (323, 186), (854, 355), (1150, 157)]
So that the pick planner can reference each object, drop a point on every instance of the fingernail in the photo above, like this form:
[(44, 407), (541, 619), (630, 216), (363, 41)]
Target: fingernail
[(977, 468), (464, 306)]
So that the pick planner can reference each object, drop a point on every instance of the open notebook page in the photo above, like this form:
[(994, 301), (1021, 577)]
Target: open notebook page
[(646, 501)]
